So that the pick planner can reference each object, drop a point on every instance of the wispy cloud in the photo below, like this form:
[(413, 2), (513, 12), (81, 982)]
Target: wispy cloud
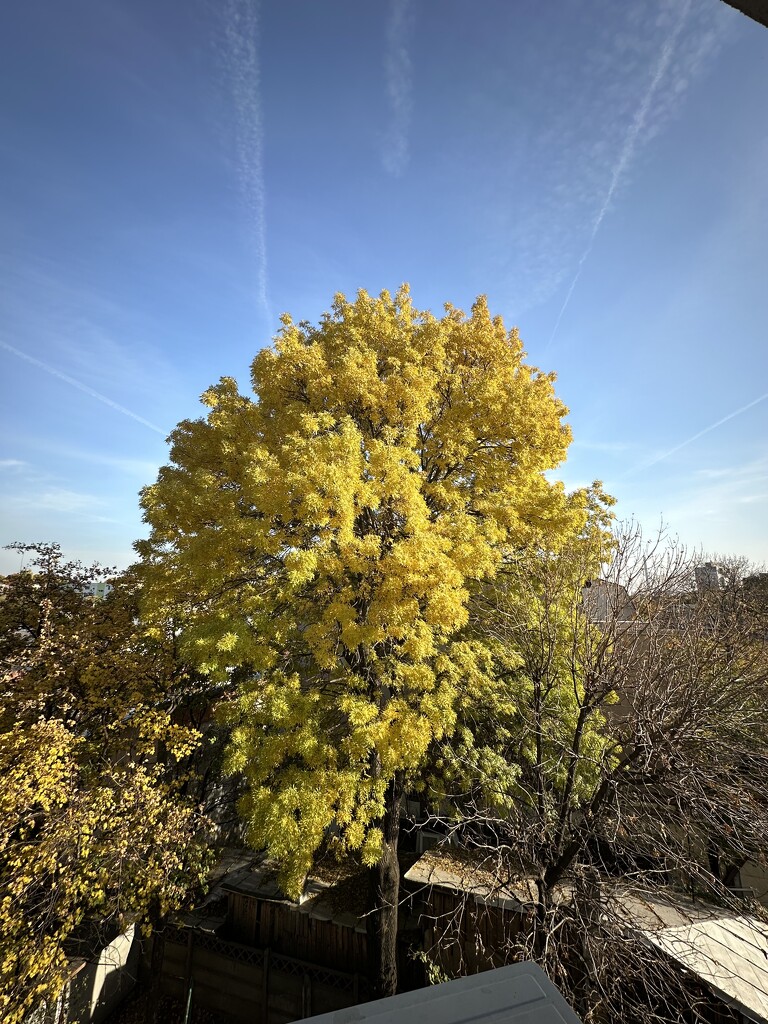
[(720, 507), (617, 447), (628, 149), (49, 497), (562, 170), (54, 372), (11, 463), (695, 437), (71, 322), (720, 496), (142, 469), (399, 81), (61, 499), (242, 36)]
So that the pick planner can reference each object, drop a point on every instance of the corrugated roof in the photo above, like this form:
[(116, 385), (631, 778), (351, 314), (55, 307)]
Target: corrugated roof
[(255, 880), (321, 899), (726, 950), (728, 953), (444, 869), (518, 994)]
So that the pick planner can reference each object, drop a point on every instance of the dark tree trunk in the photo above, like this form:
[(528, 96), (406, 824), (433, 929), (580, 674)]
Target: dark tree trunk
[(151, 968), (384, 899)]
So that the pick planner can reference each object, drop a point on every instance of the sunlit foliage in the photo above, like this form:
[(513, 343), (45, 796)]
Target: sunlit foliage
[(93, 832), (325, 537)]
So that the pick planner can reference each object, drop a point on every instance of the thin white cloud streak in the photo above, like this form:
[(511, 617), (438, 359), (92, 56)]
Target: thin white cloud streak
[(628, 150), (684, 444), (241, 29), (399, 79), (143, 468), (81, 387), (718, 513), (615, 447), (61, 499)]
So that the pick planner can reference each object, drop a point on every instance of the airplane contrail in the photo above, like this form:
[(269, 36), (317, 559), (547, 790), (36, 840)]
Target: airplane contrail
[(627, 150), (81, 387), (242, 58), (399, 76), (713, 426)]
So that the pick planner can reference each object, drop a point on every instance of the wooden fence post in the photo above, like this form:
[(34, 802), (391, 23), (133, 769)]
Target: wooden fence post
[(306, 996), (265, 989)]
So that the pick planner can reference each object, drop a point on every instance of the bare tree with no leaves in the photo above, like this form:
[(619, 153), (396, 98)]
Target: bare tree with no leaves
[(622, 763)]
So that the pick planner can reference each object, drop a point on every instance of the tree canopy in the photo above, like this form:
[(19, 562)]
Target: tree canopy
[(325, 536), (94, 833)]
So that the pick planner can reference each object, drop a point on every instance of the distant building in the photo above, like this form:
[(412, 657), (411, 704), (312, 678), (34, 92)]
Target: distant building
[(604, 601), (709, 576), (97, 589)]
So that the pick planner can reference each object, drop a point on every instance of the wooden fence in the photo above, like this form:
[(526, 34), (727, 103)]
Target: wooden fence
[(464, 936), (244, 983), (285, 930)]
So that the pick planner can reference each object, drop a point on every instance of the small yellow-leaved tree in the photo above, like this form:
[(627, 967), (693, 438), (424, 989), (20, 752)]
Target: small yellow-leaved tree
[(95, 832)]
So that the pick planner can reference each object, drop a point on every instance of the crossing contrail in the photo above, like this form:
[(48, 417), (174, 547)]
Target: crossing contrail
[(627, 150), (81, 387), (242, 59), (683, 444), (399, 76)]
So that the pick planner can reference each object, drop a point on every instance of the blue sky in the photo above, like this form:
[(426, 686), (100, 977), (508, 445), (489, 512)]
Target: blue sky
[(177, 174)]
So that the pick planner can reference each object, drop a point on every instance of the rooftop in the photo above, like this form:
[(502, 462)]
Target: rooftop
[(726, 950)]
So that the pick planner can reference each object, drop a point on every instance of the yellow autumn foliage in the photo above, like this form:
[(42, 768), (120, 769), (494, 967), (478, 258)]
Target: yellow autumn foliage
[(325, 534), (93, 831)]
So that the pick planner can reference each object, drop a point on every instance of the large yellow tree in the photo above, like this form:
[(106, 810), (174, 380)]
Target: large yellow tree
[(324, 538)]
